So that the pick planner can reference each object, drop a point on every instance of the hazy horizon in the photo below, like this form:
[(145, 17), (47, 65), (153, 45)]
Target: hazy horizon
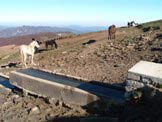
[(78, 12)]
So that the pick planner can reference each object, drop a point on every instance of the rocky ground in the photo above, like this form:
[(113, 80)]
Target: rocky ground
[(17, 108), (89, 56)]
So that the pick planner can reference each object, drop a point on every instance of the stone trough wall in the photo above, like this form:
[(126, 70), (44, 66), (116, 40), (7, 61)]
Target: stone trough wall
[(69, 90)]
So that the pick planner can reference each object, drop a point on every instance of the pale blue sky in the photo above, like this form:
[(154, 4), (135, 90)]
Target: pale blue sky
[(78, 12)]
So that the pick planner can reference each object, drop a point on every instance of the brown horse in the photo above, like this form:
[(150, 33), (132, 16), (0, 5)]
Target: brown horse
[(111, 32)]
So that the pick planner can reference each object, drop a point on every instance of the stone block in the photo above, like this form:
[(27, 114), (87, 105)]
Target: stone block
[(147, 72)]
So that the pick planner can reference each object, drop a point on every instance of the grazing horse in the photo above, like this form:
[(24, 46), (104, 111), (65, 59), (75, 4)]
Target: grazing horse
[(28, 50), (111, 32), (130, 24), (51, 42)]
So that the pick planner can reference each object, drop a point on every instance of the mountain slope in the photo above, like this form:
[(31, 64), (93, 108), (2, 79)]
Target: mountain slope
[(152, 23), (93, 57), (26, 39)]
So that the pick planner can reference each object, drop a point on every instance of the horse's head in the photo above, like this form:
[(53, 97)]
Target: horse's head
[(35, 44)]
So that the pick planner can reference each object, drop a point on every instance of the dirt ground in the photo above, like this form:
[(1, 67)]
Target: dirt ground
[(89, 56)]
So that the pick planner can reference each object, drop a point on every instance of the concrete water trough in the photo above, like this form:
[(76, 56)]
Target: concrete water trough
[(146, 72), (68, 89)]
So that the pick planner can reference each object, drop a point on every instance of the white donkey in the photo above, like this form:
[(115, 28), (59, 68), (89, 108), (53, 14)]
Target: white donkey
[(28, 50)]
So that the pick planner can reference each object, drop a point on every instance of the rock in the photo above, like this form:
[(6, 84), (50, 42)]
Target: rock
[(18, 100), (15, 96), (53, 101), (35, 110), (64, 52)]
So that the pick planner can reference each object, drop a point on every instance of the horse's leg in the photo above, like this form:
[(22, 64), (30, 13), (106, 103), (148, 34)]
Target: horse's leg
[(51, 46), (110, 36), (25, 57), (55, 44), (22, 57), (32, 58)]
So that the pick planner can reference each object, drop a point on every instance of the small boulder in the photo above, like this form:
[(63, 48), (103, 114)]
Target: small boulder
[(34, 110)]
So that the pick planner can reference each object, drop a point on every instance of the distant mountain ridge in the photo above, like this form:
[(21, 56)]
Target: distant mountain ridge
[(2, 27), (27, 30)]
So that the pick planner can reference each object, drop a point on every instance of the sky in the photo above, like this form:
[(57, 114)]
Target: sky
[(78, 12)]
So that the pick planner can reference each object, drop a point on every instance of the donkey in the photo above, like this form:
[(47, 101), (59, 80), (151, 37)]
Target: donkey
[(28, 50)]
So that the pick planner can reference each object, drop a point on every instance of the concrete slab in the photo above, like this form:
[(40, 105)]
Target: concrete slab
[(70, 90), (146, 71)]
